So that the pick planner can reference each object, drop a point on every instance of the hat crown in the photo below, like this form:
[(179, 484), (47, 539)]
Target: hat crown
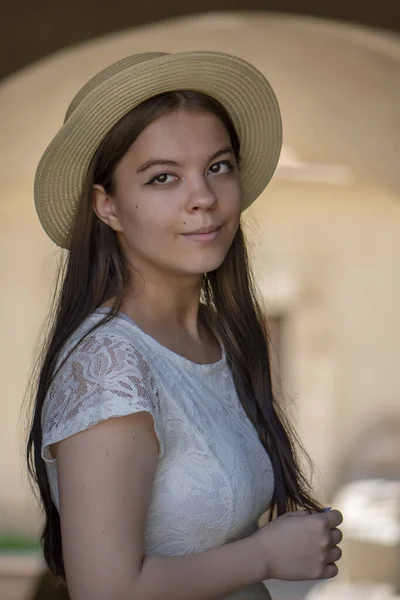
[(106, 73)]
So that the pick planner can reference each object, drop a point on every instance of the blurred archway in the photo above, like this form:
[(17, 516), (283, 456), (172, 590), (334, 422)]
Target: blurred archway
[(338, 89)]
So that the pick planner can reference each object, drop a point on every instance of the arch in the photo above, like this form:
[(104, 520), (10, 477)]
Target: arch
[(31, 31), (331, 81)]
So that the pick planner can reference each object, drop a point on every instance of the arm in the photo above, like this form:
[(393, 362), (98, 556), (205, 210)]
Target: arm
[(105, 480)]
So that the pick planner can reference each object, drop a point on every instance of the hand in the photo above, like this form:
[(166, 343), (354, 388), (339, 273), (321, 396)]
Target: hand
[(298, 546)]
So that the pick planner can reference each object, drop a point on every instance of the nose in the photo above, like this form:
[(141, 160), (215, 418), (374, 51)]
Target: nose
[(200, 195)]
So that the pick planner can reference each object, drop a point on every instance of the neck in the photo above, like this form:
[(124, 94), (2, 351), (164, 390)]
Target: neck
[(169, 303)]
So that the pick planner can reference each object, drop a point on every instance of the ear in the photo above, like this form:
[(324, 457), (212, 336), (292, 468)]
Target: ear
[(105, 208)]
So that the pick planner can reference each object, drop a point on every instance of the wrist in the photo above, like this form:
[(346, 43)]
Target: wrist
[(258, 556)]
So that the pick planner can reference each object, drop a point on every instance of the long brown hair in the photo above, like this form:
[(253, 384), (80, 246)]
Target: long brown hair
[(94, 271)]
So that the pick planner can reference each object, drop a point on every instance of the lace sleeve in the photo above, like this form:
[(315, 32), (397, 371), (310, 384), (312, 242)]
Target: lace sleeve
[(104, 377)]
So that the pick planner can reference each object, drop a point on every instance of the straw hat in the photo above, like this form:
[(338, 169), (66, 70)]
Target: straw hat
[(108, 96)]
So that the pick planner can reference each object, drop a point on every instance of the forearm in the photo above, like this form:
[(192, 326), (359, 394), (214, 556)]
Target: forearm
[(210, 575)]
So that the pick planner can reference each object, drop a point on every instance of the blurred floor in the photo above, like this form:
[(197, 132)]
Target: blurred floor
[(289, 590)]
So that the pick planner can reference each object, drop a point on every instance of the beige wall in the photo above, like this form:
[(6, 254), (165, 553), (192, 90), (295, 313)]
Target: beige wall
[(328, 259), (326, 255)]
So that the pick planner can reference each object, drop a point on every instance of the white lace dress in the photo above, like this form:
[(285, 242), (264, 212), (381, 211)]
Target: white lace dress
[(214, 479)]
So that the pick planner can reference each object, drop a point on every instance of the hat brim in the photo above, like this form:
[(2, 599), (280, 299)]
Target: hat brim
[(238, 86)]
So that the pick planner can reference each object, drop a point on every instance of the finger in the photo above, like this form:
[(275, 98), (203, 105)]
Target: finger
[(337, 537), (334, 518), (330, 571), (334, 555)]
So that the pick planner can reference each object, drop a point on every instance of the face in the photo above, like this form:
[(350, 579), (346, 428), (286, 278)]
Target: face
[(177, 200)]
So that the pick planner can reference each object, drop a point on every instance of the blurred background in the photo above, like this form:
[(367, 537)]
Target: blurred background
[(325, 241)]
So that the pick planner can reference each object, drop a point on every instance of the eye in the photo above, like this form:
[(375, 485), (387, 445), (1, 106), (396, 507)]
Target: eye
[(223, 166), (161, 179)]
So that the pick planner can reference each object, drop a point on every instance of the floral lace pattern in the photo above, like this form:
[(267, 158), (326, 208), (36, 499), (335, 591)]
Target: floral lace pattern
[(214, 478)]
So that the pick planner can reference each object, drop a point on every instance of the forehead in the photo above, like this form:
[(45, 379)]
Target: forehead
[(181, 133)]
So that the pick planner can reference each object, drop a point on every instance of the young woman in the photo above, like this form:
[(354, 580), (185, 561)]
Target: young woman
[(155, 441)]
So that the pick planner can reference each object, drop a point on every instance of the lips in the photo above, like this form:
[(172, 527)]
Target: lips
[(204, 230), (204, 234)]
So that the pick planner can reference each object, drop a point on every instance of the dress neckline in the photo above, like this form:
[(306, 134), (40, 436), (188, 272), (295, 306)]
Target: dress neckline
[(182, 361)]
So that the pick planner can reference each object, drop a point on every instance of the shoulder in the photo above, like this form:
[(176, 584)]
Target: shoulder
[(109, 346), (106, 353), (102, 372), (102, 363)]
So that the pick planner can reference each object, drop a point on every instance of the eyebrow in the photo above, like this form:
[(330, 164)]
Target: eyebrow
[(162, 161)]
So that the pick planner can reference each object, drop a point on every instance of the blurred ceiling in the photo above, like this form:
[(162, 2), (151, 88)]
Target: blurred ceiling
[(32, 30)]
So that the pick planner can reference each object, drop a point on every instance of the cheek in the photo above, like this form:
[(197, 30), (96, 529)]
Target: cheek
[(231, 201), (148, 223), (228, 188)]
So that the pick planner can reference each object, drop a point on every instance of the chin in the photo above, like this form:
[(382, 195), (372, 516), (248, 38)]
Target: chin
[(204, 266)]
